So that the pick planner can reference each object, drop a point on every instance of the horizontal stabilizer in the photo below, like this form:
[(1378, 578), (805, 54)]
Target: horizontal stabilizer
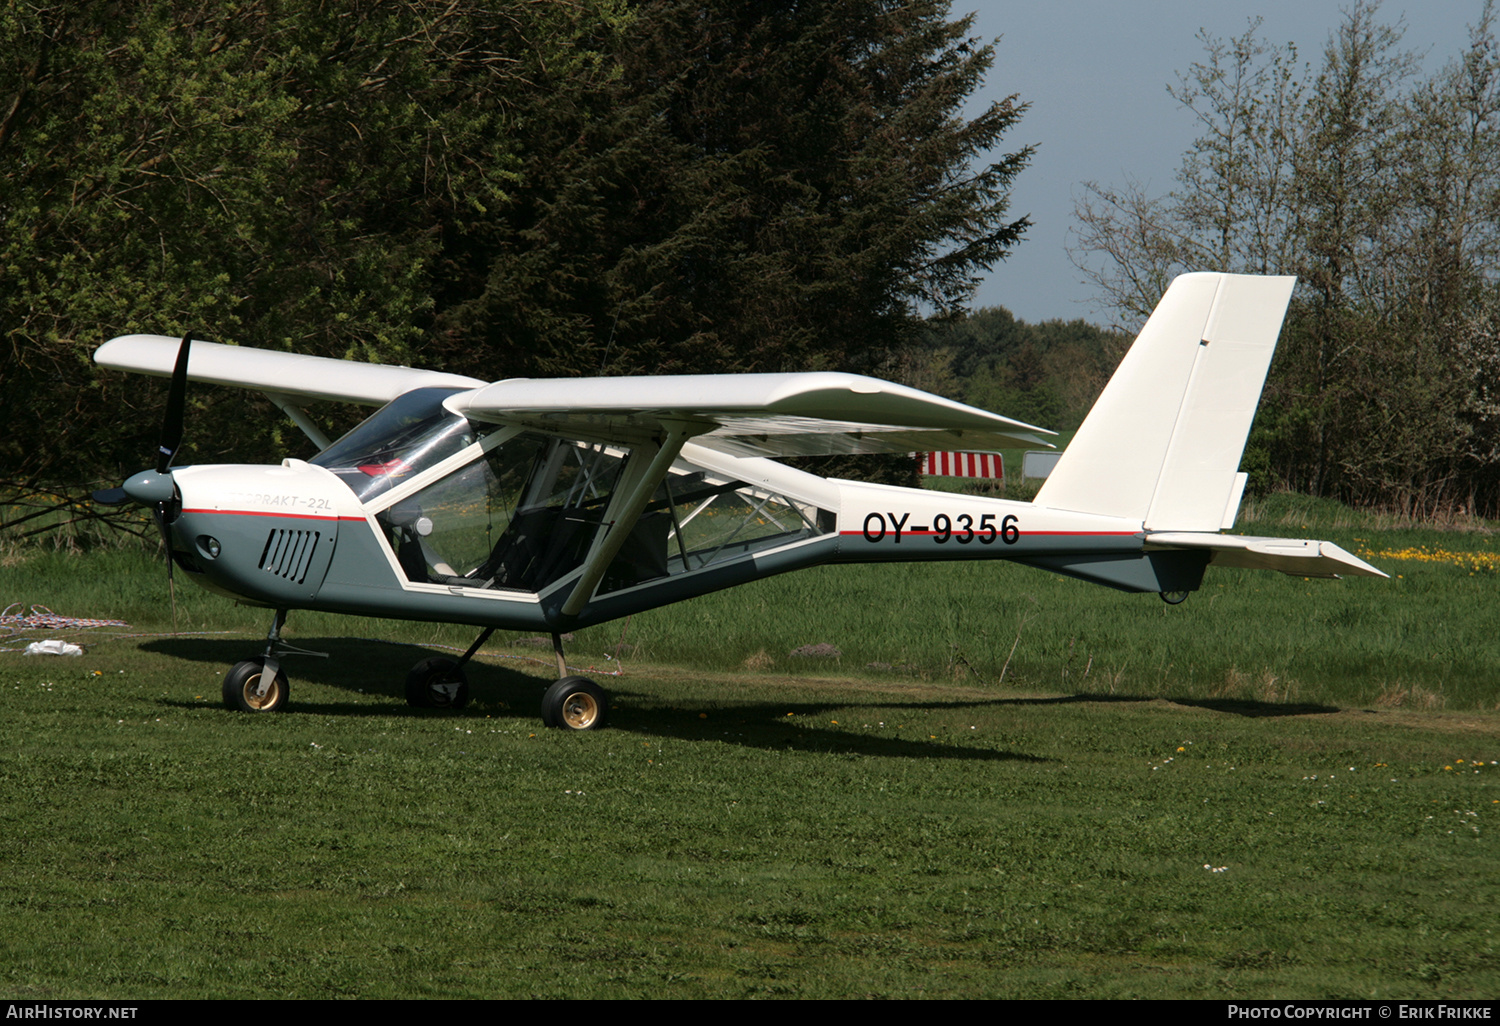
[(808, 414), (1299, 557), (265, 370)]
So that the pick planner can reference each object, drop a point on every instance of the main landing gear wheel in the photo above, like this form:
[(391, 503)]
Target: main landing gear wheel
[(437, 683), (1174, 598), (242, 688), (575, 703)]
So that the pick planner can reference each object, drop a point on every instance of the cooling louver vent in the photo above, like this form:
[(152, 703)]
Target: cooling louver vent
[(288, 554)]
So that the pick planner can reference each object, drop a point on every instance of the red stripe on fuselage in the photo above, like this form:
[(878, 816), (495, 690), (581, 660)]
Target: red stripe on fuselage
[(1029, 534), (268, 513)]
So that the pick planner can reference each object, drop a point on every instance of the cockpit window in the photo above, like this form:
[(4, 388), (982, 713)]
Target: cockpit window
[(402, 438), (520, 517)]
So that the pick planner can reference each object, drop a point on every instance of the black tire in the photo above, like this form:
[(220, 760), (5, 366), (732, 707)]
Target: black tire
[(242, 681), (437, 683), (1173, 598), (575, 703)]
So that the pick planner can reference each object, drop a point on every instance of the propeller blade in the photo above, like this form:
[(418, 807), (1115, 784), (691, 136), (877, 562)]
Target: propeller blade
[(159, 514), (156, 488), (171, 425)]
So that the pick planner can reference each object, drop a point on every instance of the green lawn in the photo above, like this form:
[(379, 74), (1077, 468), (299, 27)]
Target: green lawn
[(1279, 789)]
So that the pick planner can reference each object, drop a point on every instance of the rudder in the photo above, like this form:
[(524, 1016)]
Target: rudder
[(1163, 443)]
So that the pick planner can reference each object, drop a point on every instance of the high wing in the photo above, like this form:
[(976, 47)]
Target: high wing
[(285, 374), (809, 414), (288, 379), (748, 415)]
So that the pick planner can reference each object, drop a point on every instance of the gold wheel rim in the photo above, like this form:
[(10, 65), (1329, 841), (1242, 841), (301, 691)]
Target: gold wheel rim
[(580, 710), (260, 703)]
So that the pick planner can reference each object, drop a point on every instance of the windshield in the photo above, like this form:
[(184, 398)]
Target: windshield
[(403, 437)]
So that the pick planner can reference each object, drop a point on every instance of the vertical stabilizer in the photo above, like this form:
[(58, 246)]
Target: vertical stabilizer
[(1163, 443)]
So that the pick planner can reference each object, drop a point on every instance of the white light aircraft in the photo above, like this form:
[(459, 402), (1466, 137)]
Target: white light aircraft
[(550, 505)]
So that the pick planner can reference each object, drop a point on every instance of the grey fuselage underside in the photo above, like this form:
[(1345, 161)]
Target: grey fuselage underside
[(343, 567)]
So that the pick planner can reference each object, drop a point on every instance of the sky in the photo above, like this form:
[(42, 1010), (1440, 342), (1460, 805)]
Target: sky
[(1096, 74)]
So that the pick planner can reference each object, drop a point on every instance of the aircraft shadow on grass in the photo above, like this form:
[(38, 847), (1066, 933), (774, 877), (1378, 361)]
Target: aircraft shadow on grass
[(363, 665), (1255, 710), (360, 665), (1233, 706)]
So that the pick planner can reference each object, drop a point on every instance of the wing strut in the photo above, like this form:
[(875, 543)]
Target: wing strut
[(299, 417), (626, 510)]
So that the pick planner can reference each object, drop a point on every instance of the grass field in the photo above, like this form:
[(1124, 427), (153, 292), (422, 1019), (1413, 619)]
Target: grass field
[(1281, 788)]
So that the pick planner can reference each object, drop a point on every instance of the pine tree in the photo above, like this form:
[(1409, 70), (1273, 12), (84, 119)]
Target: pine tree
[(766, 186)]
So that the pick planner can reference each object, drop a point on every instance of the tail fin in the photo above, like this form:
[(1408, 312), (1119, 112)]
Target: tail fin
[(1163, 443)]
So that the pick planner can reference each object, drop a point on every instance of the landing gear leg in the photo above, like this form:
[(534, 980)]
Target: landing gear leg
[(440, 683), (258, 685), (573, 703)]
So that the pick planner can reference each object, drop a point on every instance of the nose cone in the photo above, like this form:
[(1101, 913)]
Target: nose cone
[(150, 487)]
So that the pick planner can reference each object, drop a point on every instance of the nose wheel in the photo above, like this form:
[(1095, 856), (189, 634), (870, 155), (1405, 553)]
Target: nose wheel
[(257, 685), (250, 687)]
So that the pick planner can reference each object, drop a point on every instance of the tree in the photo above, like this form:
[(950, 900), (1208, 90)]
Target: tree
[(269, 173), (498, 186), (1379, 191), (765, 186), (1451, 227), (1230, 210), (1048, 374)]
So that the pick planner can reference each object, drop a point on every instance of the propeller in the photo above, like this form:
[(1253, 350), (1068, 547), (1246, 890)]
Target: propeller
[(171, 425), (155, 488), (152, 486)]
